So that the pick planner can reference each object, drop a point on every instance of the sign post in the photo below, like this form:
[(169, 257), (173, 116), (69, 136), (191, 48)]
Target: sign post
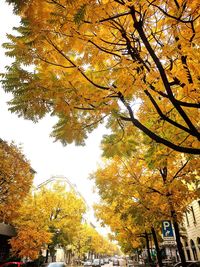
[(167, 231)]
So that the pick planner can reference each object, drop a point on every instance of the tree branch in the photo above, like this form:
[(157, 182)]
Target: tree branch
[(164, 117), (182, 167), (78, 68), (115, 16), (154, 136), (173, 17), (139, 27), (104, 50)]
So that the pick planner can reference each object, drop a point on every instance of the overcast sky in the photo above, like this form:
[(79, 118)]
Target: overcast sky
[(46, 157)]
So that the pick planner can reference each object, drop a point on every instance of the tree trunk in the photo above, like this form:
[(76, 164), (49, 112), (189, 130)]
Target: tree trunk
[(148, 248), (158, 252), (47, 255), (163, 173), (178, 241)]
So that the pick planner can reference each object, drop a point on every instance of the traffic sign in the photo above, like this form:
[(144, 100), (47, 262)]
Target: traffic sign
[(167, 229), (169, 242)]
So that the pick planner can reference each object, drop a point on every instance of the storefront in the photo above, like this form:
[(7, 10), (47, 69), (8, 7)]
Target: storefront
[(6, 232)]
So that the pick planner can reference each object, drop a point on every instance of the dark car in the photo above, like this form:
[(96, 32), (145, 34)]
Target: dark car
[(194, 264), (106, 261), (115, 262), (188, 264)]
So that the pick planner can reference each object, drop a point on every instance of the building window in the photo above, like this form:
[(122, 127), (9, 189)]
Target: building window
[(187, 249), (193, 215), (198, 242), (187, 220), (188, 254), (194, 251)]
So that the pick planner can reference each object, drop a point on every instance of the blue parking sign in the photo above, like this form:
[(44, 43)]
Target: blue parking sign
[(167, 229)]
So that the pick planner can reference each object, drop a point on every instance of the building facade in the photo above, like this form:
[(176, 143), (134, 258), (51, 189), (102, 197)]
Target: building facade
[(191, 236)]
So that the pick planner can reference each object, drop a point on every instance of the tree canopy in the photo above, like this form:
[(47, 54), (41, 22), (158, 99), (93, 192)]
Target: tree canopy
[(47, 218), (16, 177), (51, 218), (118, 61), (138, 191)]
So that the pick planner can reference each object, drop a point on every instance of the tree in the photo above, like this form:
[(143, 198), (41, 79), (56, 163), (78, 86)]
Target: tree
[(16, 177), (88, 240), (81, 241), (93, 61), (49, 217), (139, 193), (123, 229)]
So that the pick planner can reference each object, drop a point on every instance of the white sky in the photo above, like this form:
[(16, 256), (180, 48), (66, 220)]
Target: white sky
[(46, 157)]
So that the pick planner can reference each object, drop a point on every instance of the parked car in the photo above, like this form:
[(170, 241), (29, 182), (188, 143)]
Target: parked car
[(13, 264), (77, 262), (57, 264), (87, 263), (188, 263), (194, 264), (96, 263)]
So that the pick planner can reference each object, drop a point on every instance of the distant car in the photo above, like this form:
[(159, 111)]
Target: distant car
[(167, 263), (188, 264), (13, 264), (57, 264), (122, 262), (106, 261), (115, 262), (130, 263), (102, 261), (87, 263), (96, 263)]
